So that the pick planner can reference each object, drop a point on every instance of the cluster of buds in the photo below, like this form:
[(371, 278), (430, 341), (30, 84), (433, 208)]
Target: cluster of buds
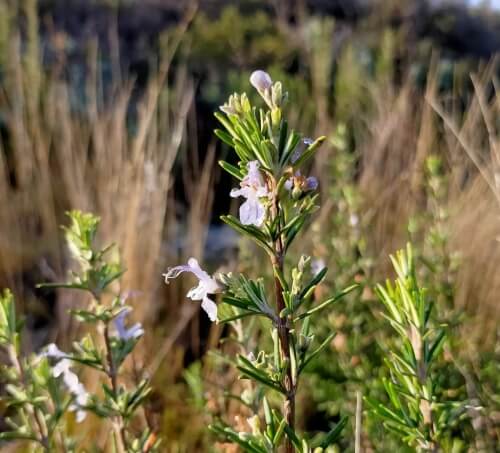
[(272, 93), (236, 105)]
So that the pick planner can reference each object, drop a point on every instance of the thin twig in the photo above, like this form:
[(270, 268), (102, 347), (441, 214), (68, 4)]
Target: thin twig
[(359, 422)]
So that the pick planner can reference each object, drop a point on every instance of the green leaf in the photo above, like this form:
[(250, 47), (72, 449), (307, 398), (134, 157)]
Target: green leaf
[(225, 137), (293, 437), (313, 354), (293, 140), (282, 139), (249, 231), (328, 302), (383, 411), (226, 123), (335, 433), (315, 281), (231, 169), (436, 347), (309, 152), (250, 371), (279, 432), (248, 445)]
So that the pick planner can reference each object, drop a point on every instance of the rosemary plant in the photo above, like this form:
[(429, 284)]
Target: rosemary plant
[(418, 410), (279, 200), (39, 403)]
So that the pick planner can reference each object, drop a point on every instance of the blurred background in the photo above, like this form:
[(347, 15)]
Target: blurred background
[(107, 106)]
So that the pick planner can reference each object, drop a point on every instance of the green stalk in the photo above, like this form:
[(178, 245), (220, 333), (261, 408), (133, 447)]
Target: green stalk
[(283, 329)]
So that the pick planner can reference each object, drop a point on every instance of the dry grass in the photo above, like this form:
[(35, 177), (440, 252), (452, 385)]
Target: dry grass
[(111, 151)]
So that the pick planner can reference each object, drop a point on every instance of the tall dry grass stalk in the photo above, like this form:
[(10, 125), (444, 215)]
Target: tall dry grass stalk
[(110, 150), (475, 136), (396, 128), (109, 147), (404, 128)]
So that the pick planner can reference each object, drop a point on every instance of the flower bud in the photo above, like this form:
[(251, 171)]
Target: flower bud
[(254, 423), (261, 80)]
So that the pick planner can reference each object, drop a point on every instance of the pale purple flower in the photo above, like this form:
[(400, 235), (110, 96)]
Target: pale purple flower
[(253, 188), (317, 265), (261, 80), (135, 331), (311, 183), (71, 381), (206, 285), (301, 182)]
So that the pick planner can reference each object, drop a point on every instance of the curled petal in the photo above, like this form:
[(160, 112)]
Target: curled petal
[(53, 351), (197, 292), (243, 192), (135, 331), (123, 333), (192, 266)]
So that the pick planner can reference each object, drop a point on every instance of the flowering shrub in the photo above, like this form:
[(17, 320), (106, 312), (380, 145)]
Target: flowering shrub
[(39, 403), (45, 394), (278, 203)]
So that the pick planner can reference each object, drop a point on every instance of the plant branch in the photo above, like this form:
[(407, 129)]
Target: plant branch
[(43, 439), (283, 330), (112, 373)]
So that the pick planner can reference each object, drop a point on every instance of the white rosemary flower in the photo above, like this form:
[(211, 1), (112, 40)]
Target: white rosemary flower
[(253, 188), (206, 285)]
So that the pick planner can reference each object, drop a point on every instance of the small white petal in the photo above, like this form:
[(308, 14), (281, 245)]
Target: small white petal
[(252, 212), (53, 351), (63, 366), (210, 308), (80, 415), (71, 381)]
